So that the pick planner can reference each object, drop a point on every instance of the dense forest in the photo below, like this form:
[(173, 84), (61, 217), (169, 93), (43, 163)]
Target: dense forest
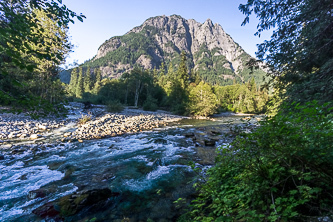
[(173, 88)]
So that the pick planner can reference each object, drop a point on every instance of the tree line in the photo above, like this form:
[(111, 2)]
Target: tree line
[(175, 88)]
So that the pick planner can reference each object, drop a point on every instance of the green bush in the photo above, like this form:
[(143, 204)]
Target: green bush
[(114, 106), (150, 104), (280, 172)]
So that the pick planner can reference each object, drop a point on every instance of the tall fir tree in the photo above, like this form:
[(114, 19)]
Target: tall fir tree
[(182, 74), (79, 85), (73, 82), (98, 80), (162, 70), (171, 72), (87, 81)]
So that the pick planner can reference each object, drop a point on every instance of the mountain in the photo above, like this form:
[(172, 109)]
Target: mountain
[(210, 50)]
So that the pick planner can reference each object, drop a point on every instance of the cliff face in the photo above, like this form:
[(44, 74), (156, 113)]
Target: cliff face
[(210, 50)]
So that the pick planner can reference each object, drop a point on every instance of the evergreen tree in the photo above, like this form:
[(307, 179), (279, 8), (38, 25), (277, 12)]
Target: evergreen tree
[(79, 85), (182, 74), (73, 82), (252, 85), (98, 80), (87, 81), (195, 77), (161, 75), (154, 74), (162, 70), (171, 73)]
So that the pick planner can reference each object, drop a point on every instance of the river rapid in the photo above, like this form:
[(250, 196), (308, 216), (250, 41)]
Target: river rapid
[(132, 177)]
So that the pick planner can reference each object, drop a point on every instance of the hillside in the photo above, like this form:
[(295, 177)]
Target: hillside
[(210, 50)]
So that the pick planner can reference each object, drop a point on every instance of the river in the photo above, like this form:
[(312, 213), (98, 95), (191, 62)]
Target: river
[(146, 172)]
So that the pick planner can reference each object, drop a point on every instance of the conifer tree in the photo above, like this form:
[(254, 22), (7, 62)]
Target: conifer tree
[(87, 81), (182, 74), (252, 85), (170, 73), (79, 86), (162, 70), (155, 75), (98, 80), (73, 82), (161, 75)]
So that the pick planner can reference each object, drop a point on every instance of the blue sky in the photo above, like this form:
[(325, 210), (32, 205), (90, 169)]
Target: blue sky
[(108, 18)]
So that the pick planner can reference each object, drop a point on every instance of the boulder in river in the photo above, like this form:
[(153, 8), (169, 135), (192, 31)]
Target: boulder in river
[(37, 193), (72, 204), (210, 142), (47, 210)]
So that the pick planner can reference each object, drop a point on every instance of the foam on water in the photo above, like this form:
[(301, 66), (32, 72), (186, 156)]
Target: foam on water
[(161, 170), (36, 176), (146, 182), (117, 161), (7, 213)]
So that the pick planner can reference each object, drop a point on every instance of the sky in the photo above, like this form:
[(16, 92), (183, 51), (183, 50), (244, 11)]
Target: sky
[(109, 18)]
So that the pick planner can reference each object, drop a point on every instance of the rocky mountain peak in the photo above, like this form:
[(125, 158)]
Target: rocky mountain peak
[(162, 38)]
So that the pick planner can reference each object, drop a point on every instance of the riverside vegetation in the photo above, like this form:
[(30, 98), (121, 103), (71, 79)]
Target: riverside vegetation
[(175, 89), (281, 171)]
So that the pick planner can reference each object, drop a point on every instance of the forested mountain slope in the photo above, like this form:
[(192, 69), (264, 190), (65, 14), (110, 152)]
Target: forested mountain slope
[(210, 51)]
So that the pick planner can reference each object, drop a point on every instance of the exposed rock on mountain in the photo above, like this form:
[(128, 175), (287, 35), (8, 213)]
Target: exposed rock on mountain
[(210, 50)]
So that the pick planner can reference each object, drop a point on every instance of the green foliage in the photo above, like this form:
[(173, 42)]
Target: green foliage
[(137, 44), (280, 172), (300, 48), (171, 89), (150, 104), (244, 98), (114, 107), (87, 81), (182, 73), (283, 170), (79, 90), (33, 42), (73, 82), (98, 79), (178, 98), (203, 101)]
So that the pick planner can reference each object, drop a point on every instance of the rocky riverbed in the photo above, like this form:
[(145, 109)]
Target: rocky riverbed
[(98, 124), (15, 127)]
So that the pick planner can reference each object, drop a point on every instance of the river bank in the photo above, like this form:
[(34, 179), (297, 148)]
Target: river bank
[(99, 124)]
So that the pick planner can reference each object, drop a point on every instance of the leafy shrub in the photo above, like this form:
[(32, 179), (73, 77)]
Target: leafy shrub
[(150, 104), (114, 106), (280, 172)]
